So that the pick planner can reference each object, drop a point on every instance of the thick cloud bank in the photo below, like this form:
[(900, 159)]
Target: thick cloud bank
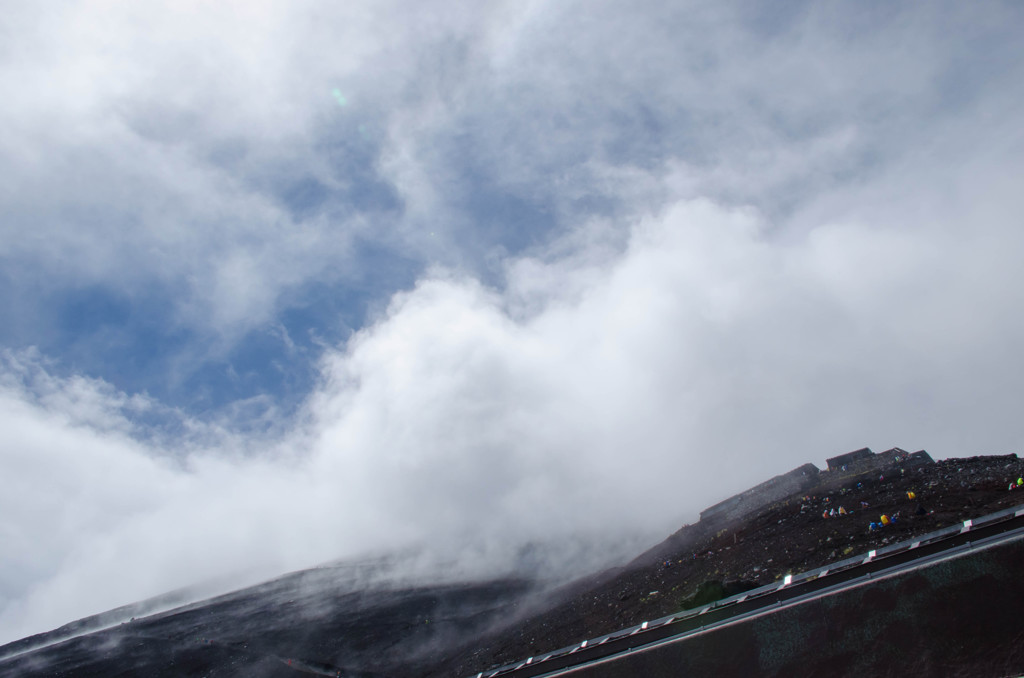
[(641, 389), (657, 254)]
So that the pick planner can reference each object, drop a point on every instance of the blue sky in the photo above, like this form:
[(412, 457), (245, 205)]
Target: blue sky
[(288, 282)]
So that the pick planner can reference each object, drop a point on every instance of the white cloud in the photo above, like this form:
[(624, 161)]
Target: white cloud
[(702, 359), (151, 145)]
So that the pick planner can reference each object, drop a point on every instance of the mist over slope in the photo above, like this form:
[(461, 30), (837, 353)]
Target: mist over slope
[(375, 619), (354, 619)]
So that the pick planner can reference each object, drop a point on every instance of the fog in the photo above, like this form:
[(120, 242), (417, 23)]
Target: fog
[(659, 256)]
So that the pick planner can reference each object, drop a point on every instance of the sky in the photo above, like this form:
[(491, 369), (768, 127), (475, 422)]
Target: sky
[(287, 282)]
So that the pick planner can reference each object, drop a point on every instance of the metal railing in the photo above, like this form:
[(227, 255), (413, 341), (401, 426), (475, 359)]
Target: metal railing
[(945, 541)]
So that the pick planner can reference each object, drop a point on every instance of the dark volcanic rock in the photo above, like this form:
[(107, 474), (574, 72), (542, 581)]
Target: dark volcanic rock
[(787, 537), (321, 623), (287, 627)]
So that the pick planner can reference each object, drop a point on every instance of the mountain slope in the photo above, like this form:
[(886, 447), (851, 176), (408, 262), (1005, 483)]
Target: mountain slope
[(707, 561), (337, 621)]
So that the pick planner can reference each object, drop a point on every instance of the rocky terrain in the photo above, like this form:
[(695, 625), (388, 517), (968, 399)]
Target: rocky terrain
[(701, 563), (324, 622)]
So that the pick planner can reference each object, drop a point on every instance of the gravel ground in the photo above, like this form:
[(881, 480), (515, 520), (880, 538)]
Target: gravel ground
[(701, 563)]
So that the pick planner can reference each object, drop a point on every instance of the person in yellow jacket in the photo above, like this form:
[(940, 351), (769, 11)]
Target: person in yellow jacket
[(885, 519)]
